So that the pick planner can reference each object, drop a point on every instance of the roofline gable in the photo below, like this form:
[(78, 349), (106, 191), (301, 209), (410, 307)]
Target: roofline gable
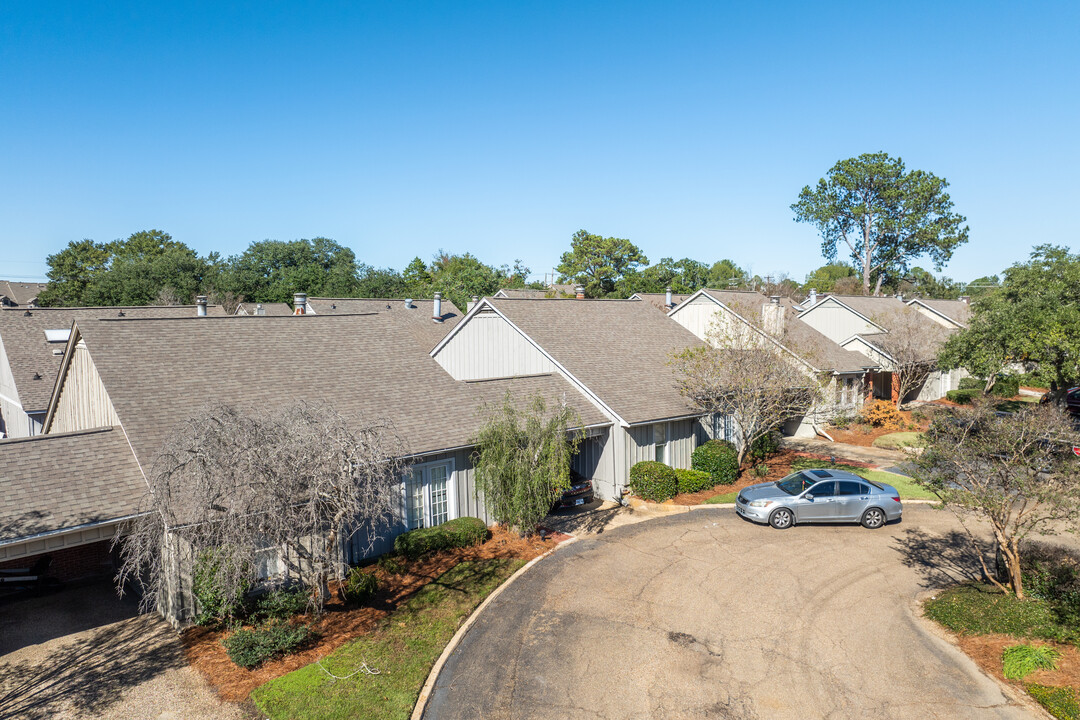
[(935, 311), (833, 298)]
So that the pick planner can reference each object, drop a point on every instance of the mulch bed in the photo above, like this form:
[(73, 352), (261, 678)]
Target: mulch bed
[(864, 435), (779, 467), (986, 651), (339, 624)]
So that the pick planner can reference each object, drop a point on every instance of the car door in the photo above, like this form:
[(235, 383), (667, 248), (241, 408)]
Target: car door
[(852, 498), (816, 504)]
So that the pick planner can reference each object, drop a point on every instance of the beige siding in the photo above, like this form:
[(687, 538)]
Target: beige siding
[(943, 322), (84, 403), (487, 346), (13, 419), (836, 322)]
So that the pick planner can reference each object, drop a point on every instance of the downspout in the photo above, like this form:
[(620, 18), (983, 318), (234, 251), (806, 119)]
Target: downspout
[(821, 432)]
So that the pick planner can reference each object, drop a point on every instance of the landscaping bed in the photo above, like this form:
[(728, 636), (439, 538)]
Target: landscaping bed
[(341, 623), (864, 435)]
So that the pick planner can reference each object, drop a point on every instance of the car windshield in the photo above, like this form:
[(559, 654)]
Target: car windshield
[(795, 484)]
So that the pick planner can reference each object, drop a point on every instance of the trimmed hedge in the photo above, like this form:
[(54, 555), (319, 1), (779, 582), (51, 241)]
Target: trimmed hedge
[(962, 397), (654, 481), (972, 383), (1006, 386), (691, 481), (461, 532), (251, 647), (359, 586), (718, 458)]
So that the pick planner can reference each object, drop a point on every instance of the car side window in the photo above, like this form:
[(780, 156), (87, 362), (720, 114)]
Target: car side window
[(824, 489), (850, 487)]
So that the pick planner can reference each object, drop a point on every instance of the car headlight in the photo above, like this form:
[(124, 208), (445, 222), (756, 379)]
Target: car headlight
[(761, 503)]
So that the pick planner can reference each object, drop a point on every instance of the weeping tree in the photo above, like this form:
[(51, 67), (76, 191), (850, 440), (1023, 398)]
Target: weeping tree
[(234, 488), (1014, 471), (522, 459)]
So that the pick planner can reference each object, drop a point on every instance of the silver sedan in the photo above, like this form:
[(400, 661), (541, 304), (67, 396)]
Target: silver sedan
[(810, 496)]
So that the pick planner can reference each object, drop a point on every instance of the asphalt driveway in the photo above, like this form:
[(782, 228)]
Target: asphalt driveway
[(705, 615)]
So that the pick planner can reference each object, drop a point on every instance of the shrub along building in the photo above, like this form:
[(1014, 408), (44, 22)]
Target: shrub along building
[(616, 353), (125, 385), (730, 312), (32, 344)]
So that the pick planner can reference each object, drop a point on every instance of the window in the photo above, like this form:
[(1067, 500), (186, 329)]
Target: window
[(850, 487), (723, 427), (824, 489), (429, 495), (660, 442)]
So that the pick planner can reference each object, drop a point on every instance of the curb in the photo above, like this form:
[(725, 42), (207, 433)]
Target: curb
[(429, 684)]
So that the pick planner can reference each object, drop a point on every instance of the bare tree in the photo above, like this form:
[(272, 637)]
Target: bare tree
[(752, 369), (910, 347), (290, 485), (1016, 471)]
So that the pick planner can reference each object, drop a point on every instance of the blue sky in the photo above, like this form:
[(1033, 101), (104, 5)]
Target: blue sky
[(500, 128)]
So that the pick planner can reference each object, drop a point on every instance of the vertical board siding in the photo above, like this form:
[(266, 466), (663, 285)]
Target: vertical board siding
[(682, 440), (487, 346), (835, 322), (84, 403)]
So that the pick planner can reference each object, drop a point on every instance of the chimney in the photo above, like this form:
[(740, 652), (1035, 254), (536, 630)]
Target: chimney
[(579, 292), (472, 303), (260, 310), (966, 299), (200, 306), (408, 304), (812, 297), (772, 316), (900, 297), (299, 301), (436, 308), (667, 299)]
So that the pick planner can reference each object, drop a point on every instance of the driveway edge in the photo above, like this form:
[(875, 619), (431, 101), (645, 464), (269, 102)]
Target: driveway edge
[(429, 684)]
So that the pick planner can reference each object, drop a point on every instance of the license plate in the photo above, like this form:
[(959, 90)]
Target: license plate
[(579, 501)]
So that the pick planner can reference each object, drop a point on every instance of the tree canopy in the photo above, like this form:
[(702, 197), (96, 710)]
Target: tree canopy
[(884, 214), (599, 262), (824, 278)]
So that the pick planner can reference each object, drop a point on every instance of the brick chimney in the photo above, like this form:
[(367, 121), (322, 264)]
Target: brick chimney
[(579, 292), (299, 303)]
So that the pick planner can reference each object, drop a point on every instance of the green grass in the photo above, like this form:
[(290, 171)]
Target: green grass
[(977, 609), (1019, 661), (403, 647), (728, 497), (1060, 702), (897, 440), (1022, 403)]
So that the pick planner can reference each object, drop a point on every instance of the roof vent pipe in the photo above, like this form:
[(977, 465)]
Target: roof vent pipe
[(408, 304), (299, 301), (667, 298), (812, 298), (579, 292), (900, 297), (774, 299), (472, 303), (436, 308), (260, 310), (200, 306)]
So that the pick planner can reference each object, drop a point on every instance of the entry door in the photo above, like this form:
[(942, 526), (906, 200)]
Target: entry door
[(429, 495)]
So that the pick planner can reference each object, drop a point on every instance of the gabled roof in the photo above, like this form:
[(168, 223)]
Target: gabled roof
[(852, 303), (659, 300), (955, 311), (14, 294), (278, 309), (55, 482), (819, 351), (418, 318), (532, 293), (159, 373), (29, 355), (618, 350), (553, 388)]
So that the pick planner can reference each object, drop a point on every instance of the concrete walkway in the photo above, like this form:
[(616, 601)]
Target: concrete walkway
[(703, 615)]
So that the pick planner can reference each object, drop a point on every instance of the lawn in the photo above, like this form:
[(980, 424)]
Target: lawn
[(402, 649), (904, 485), (897, 440), (980, 609)]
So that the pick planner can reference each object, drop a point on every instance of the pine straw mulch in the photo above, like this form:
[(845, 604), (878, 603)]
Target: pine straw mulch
[(865, 435), (339, 624), (986, 651), (779, 467)]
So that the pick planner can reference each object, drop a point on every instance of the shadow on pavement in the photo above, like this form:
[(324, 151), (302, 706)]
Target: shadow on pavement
[(590, 520), (90, 673), (941, 560)]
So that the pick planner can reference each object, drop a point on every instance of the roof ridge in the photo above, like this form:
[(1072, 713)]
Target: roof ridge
[(72, 433)]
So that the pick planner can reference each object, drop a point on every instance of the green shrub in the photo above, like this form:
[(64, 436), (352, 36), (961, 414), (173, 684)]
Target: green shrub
[(761, 470), (1060, 702), (843, 421), (359, 586), (207, 586), (691, 481), (962, 397), (461, 532), (251, 647), (393, 564), (983, 609), (1006, 386), (765, 446), (1036, 379), (719, 458), (1019, 661), (1052, 574), (282, 604), (972, 383), (653, 481)]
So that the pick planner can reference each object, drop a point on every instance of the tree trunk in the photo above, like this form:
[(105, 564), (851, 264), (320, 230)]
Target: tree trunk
[(867, 253), (1012, 564), (989, 384)]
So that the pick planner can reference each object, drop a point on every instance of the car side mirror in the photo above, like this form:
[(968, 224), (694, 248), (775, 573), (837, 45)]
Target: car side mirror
[(808, 496)]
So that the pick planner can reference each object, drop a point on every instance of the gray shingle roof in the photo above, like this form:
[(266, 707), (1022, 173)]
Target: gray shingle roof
[(659, 300), (619, 349), (23, 338), (158, 373), (278, 309), (418, 318), (20, 293), (553, 388), (53, 482), (956, 310), (814, 347)]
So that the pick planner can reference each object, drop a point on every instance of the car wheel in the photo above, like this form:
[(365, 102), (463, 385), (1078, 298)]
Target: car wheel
[(782, 519), (873, 518)]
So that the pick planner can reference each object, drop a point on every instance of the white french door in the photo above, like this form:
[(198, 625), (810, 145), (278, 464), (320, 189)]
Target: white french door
[(430, 495)]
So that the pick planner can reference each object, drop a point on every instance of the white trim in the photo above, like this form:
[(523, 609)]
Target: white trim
[(68, 530), (451, 491)]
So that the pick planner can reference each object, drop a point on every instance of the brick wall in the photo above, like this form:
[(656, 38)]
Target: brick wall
[(74, 563)]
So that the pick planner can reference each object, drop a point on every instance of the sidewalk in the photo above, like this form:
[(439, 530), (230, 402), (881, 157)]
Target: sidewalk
[(875, 456)]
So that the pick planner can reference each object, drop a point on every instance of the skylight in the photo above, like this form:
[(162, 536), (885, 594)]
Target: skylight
[(57, 336)]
